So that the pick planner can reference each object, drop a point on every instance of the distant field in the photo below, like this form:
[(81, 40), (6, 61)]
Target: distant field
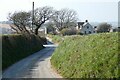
[(5, 29), (4, 26), (90, 56)]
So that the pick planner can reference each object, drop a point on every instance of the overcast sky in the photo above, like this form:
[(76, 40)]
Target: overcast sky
[(92, 10)]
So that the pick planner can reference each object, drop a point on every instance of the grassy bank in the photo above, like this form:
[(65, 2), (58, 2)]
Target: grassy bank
[(16, 47), (56, 38), (91, 56)]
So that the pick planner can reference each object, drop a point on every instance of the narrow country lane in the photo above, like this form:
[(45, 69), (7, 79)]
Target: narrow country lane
[(34, 66)]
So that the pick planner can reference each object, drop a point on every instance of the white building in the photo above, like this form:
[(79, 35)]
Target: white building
[(86, 28)]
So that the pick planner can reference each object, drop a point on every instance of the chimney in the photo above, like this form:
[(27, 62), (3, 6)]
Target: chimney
[(86, 21)]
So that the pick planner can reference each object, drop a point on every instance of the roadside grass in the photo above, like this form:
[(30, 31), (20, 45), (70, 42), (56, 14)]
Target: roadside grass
[(16, 47), (90, 56), (56, 38)]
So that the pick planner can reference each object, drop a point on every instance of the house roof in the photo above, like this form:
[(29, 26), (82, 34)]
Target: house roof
[(86, 24), (80, 23), (83, 24)]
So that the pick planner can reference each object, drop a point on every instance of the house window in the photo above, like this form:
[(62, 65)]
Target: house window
[(87, 27), (89, 32)]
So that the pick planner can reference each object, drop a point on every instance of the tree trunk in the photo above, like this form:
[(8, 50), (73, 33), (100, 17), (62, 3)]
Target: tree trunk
[(36, 31), (38, 26)]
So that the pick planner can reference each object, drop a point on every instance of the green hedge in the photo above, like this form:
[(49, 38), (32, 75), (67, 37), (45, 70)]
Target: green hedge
[(90, 56), (16, 47), (67, 31)]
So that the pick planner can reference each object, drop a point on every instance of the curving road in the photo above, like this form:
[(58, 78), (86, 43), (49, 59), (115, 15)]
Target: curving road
[(34, 66)]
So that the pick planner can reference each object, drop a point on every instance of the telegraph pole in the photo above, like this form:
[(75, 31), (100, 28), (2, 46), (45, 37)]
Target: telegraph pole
[(32, 15)]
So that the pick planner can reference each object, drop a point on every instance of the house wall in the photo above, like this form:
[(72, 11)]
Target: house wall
[(89, 30)]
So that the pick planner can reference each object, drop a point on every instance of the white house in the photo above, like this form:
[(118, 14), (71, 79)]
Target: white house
[(86, 28)]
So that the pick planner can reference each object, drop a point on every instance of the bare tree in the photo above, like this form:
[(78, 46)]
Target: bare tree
[(62, 19), (20, 20), (65, 18), (42, 15)]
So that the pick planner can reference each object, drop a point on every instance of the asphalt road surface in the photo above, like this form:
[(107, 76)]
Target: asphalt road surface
[(36, 65)]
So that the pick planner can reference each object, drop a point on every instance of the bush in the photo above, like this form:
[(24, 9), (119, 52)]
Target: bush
[(103, 27), (16, 47), (67, 31), (79, 33), (43, 40)]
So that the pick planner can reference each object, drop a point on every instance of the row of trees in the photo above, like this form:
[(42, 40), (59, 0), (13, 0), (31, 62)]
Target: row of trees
[(22, 20), (55, 19)]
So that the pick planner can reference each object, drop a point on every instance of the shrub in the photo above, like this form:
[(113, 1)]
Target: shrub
[(103, 27), (67, 31), (16, 47)]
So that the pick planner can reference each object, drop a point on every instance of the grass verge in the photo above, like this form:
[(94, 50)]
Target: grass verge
[(56, 38), (91, 56)]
